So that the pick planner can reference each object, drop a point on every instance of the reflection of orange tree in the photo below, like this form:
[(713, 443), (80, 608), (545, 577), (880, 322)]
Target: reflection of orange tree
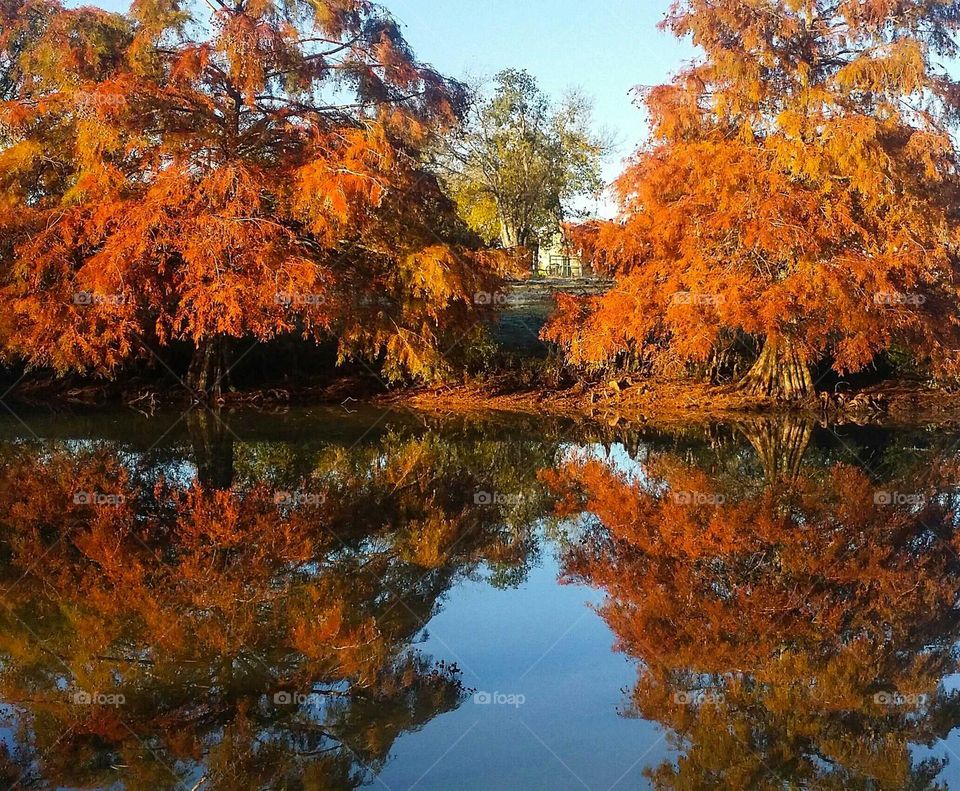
[(782, 607), (199, 605)]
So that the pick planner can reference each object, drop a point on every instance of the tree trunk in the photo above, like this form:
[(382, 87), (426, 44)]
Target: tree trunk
[(209, 367), (780, 443), (212, 445), (508, 236), (779, 372)]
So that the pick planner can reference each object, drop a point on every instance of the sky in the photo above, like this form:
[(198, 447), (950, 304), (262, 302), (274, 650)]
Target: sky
[(605, 47)]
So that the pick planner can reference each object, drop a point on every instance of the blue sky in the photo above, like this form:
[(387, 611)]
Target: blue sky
[(605, 47)]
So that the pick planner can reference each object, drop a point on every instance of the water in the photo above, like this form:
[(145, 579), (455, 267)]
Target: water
[(330, 600)]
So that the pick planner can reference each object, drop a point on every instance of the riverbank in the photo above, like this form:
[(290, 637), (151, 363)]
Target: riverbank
[(627, 400), (897, 402)]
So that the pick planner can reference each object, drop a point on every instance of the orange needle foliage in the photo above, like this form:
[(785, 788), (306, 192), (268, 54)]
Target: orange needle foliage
[(205, 172), (788, 600), (800, 188)]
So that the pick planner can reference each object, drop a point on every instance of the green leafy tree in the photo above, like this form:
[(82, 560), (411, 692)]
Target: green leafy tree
[(519, 163)]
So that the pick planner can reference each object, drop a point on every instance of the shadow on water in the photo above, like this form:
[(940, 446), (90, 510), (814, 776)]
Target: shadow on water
[(238, 600)]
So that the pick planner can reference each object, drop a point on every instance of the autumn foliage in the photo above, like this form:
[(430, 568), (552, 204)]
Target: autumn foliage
[(308, 572), (799, 191), (771, 611), (201, 173)]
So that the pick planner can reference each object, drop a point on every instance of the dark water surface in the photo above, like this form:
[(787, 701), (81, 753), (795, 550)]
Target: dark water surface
[(333, 599)]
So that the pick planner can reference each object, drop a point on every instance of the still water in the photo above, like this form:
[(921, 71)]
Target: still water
[(325, 599)]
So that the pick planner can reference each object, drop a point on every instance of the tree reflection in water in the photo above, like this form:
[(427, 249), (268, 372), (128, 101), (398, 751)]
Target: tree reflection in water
[(256, 608), (794, 615), (246, 615)]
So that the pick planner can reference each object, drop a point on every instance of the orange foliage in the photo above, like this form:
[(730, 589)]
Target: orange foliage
[(800, 186), (199, 604), (264, 180), (792, 600)]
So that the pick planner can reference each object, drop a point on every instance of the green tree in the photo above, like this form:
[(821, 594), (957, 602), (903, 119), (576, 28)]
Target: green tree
[(519, 162)]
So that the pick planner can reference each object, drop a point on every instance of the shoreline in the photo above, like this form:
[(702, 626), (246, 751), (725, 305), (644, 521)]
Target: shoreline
[(666, 402), (624, 400)]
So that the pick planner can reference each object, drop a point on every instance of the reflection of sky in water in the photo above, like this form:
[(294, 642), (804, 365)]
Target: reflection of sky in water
[(542, 641), (949, 749), (615, 456)]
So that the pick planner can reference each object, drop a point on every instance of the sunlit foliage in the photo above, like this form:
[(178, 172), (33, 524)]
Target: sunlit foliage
[(799, 190), (202, 172), (775, 614)]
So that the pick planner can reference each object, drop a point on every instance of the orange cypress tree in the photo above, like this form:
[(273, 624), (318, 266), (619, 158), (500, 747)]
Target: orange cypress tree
[(799, 190), (225, 170)]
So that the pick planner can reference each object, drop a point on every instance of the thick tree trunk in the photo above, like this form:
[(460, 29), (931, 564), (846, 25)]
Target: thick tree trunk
[(208, 368), (212, 449), (780, 443), (779, 372)]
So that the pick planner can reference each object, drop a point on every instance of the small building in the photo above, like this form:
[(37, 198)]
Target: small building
[(558, 257)]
